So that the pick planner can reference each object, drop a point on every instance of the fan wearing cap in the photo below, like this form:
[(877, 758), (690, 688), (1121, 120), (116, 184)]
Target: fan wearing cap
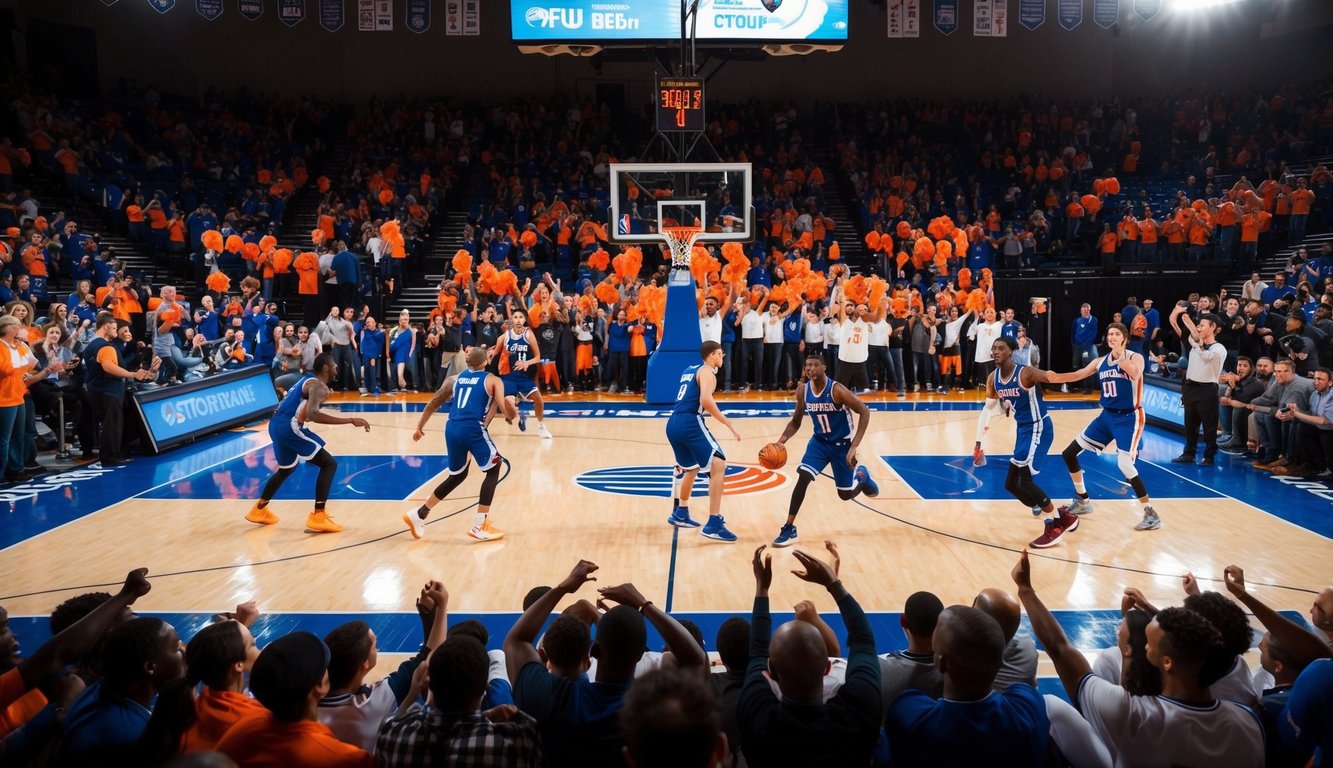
[(289, 678)]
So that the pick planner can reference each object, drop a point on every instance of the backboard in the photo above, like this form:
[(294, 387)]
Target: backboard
[(714, 196)]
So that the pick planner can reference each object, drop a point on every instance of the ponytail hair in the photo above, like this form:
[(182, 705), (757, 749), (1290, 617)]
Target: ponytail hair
[(208, 659)]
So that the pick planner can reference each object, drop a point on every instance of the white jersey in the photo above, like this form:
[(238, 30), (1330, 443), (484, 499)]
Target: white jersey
[(773, 329), (752, 326), (1236, 685), (855, 346), (832, 333), (879, 334), (1159, 731), (985, 334), (814, 333), (710, 328)]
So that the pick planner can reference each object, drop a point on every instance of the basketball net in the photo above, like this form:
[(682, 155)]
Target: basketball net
[(681, 241)]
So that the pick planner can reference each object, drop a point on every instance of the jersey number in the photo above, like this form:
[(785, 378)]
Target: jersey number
[(1108, 388), (822, 420), (681, 394), (462, 398), (856, 336)]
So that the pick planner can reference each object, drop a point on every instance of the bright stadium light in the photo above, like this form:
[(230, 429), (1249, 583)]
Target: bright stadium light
[(1187, 6)]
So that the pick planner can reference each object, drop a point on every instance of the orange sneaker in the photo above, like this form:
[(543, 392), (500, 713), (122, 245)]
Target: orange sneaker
[(486, 532), (320, 522), (261, 515)]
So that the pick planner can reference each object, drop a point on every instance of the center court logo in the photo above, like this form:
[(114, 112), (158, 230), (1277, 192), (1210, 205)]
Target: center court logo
[(655, 481)]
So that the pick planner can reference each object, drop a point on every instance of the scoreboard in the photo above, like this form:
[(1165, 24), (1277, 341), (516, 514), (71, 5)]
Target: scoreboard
[(680, 104)]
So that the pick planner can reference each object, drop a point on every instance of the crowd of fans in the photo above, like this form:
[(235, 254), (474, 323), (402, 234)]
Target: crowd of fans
[(114, 688)]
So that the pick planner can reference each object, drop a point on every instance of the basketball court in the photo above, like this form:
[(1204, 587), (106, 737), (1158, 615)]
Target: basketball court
[(600, 491)]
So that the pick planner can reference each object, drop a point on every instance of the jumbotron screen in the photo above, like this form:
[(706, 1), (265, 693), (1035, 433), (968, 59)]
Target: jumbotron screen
[(611, 21)]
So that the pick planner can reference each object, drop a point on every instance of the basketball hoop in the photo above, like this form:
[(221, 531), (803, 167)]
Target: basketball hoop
[(681, 241)]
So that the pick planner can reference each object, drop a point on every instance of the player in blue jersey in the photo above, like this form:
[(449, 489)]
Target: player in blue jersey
[(474, 397), (294, 443), (1015, 390), (830, 406), (525, 359), (695, 447), (1120, 378)]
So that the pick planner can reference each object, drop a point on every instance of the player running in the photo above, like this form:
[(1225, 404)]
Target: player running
[(833, 445), (1016, 389), (474, 397), (294, 443), (695, 446), (1120, 376), (520, 383)]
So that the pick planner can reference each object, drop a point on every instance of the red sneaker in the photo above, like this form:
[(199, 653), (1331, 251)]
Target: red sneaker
[(1051, 536)]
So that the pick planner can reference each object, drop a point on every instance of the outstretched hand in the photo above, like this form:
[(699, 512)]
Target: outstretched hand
[(1022, 573), (815, 571), (763, 571), (1234, 576), (136, 584), (582, 574), (1190, 584), (625, 594)]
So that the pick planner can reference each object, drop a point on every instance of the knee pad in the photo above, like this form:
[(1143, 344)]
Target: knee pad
[(1125, 461), (1070, 455)]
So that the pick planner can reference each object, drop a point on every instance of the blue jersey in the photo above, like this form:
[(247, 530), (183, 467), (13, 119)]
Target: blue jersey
[(833, 422), (1025, 402), (519, 350), (687, 398), (471, 401), (292, 402), (1119, 392)]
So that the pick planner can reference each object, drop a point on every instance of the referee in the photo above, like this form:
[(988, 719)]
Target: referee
[(1201, 376)]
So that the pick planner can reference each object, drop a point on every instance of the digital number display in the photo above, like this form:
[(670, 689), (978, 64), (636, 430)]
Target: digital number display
[(680, 104)]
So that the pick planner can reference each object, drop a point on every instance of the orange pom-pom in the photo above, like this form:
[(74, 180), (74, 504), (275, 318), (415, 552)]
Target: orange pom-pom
[(528, 239), (904, 230), (628, 264), (462, 264), (250, 252), (386, 196), (940, 227), (599, 260), (267, 243), (317, 236), (212, 240), (944, 249), (606, 293), (879, 290), (218, 282), (1112, 186), (1098, 187), (1091, 203), (857, 289), (282, 260), (834, 251), (924, 249), (505, 283), (702, 264), (874, 241), (959, 242), (235, 244)]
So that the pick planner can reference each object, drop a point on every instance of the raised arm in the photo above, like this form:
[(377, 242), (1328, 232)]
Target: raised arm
[(678, 639), (518, 644), (1298, 641), (1070, 664)]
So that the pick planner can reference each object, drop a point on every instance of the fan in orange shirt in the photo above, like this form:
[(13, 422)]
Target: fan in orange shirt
[(1301, 199)]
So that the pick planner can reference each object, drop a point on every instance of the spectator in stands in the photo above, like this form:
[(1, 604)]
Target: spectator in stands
[(800, 727), (289, 678), (914, 667), (578, 717), (217, 662), (18, 369), (1241, 387), (1278, 445), (139, 658), (61, 386), (1186, 725), (1083, 337), (1254, 287), (453, 729), (1314, 430), (671, 719), (733, 649), (371, 345), (105, 375), (353, 710), (984, 333), (1020, 653), (971, 723)]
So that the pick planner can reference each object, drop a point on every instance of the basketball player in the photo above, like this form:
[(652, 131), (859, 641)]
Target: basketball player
[(695, 446), (523, 351), (1016, 389), (293, 443), (474, 397), (833, 445), (1120, 376)]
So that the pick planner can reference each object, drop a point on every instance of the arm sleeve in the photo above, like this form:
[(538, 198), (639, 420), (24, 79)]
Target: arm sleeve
[(756, 694), (860, 690)]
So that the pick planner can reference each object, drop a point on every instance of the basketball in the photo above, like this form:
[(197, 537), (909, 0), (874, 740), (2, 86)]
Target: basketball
[(773, 455)]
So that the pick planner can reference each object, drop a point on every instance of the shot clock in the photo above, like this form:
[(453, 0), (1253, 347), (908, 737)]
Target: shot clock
[(680, 104)]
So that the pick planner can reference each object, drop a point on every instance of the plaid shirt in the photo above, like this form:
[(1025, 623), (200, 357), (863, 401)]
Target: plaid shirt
[(428, 737)]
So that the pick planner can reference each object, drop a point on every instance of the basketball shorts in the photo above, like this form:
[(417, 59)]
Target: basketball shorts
[(293, 443), (820, 454), (461, 439), (1033, 443), (692, 443), (1124, 428), (519, 384)]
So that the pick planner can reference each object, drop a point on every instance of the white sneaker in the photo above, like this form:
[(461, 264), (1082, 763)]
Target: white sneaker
[(415, 525), (1064, 389), (543, 432)]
